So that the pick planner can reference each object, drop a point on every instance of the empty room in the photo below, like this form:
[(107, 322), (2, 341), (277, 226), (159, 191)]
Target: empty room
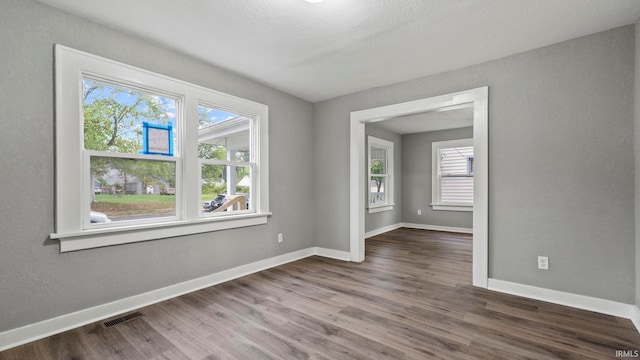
[(320, 179)]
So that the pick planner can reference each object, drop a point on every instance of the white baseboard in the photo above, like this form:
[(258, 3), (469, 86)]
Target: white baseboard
[(635, 317), (602, 306), (32, 332), (387, 228), (438, 228), (382, 230), (333, 254)]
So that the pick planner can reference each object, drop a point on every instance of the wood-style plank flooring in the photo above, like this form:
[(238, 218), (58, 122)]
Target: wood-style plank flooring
[(411, 299)]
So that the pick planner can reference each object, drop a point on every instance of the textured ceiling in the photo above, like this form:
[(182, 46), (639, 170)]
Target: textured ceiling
[(320, 51)]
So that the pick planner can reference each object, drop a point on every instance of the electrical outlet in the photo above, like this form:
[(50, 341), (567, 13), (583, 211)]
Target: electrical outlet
[(419, 211), (543, 262), (280, 238)]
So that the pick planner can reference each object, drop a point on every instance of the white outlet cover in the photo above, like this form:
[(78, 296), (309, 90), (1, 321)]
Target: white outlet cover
[(543, 262)]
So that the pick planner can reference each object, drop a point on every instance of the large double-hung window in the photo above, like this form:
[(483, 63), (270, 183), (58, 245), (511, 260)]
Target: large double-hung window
[(141, 156)]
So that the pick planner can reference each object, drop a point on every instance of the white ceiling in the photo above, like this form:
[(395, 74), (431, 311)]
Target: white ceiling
[(445, 118), (320, 51)]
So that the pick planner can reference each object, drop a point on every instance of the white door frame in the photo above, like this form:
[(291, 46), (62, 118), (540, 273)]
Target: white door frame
[(480, 99)]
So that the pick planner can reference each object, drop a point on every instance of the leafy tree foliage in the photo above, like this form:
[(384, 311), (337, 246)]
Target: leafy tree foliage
[(113, 117)]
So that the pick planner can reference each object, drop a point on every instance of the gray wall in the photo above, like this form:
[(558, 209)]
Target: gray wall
[(561, 145), (416, 180), (385, 218), (36, 281), (561, 181)]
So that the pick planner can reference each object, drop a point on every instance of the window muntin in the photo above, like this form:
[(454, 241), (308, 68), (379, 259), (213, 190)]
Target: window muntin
[(179, 103), (380, 178), (453, 174)]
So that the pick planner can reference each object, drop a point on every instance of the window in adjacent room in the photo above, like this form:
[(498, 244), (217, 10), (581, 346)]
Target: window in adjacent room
[(452, 175), (380, 179)]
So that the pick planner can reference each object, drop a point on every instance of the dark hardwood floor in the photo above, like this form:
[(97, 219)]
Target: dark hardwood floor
[(411, 299)]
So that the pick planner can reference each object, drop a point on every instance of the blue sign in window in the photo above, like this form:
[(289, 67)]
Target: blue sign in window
[(157, 139)]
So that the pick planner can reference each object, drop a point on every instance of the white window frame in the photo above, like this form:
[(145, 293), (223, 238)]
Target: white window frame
[(72, 172), (436, 188), (229, 128), (388, 185)]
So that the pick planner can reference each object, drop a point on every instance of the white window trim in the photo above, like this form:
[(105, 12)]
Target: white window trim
[(436, 204), (479, 97), (71, 66), (389, 184), (223, 129)]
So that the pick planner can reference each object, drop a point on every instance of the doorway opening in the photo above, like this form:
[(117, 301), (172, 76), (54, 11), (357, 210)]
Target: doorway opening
[(478, 99)]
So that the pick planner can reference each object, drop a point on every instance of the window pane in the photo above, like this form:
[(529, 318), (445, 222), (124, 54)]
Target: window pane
[(225, 188), (378, 191), (223, 135), (455, 161), (378, 160), (114, 116), (128, 189), (208, 116), (378, 167), (457, 189)]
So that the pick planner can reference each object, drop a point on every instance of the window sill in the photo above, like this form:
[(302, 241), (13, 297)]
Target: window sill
[(380, 208), (449, 207), (95, 238)]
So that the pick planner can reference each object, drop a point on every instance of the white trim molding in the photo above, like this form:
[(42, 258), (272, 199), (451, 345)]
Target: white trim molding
[(448, 207), (388, 228), (382, 230), (42, 329), (439, 228), (583, 302), (332, 254), (479, 97), (635, 317), (380, 208), (107, 237)]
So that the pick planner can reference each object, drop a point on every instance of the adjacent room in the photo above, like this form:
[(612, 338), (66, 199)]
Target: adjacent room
[(326, 179)]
